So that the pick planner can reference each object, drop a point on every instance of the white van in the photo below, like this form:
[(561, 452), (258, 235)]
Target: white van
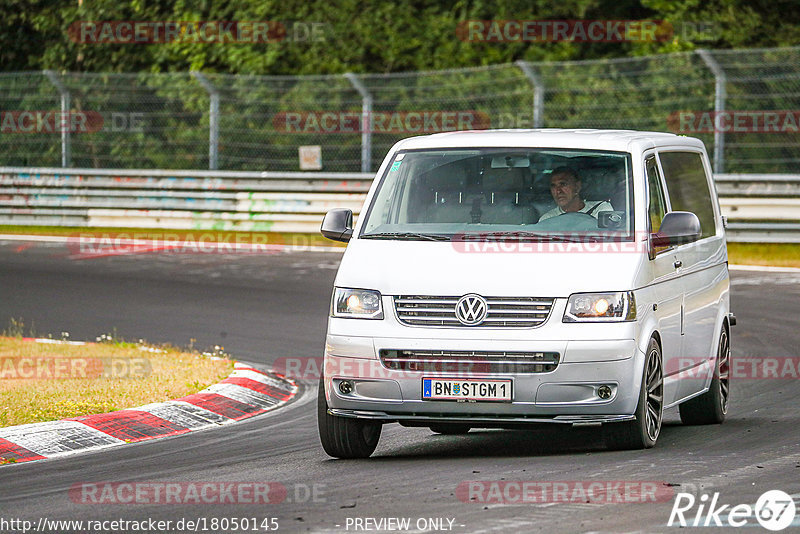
[(501, 278)]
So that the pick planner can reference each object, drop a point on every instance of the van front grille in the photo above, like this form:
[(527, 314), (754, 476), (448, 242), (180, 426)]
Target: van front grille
[(467, 362), (503, 312)]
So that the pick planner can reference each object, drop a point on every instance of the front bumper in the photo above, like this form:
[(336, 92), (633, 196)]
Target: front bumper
[(479, 420), (568, 394)]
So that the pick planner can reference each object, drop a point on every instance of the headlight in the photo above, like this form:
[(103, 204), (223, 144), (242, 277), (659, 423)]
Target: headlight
[(356, 303), (600, 307)]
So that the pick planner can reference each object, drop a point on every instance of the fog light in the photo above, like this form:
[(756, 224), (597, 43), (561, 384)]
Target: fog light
[(604, 392), (345, 387)]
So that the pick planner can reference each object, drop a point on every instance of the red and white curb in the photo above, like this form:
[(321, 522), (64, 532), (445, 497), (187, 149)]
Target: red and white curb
[(246, 392)]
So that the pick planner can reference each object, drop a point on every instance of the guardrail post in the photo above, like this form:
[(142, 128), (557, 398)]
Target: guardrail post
[(719, 106), (66, 144), (538, 91), (213, 119), (366, 122)]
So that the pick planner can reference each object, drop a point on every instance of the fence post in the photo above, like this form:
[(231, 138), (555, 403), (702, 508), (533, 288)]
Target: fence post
[(66, 143), (719, 106), (366, 123), (213, 119), (538, 91)]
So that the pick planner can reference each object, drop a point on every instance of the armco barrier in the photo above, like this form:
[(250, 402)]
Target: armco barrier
[(197, 200), (759, 207)]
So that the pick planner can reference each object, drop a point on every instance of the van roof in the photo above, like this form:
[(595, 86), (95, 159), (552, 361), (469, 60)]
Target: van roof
[(617, 140)]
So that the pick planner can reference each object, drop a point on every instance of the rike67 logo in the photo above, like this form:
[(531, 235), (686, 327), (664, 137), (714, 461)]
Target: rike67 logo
[(774, 510)]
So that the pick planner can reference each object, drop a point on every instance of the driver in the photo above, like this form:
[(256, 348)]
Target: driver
[(565, 186)]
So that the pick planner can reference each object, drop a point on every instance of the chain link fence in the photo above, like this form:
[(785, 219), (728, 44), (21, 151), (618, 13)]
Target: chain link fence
[(256, 123)]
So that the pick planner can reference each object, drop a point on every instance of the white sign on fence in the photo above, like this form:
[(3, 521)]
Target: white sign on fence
[(310, 158)]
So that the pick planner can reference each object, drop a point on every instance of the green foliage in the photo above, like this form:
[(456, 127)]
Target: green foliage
[(369, 35), (734, 23), (16, 328), (640, 89)]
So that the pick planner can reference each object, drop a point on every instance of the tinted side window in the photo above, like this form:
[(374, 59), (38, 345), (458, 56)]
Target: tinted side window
[(657, 206), (688, 188)]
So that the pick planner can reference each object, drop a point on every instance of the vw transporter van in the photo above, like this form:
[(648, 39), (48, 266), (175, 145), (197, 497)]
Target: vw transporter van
[(496, 279)]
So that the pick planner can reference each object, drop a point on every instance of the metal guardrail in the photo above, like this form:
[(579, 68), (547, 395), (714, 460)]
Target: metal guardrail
[(760, 207), (185, 200), (758, 185)]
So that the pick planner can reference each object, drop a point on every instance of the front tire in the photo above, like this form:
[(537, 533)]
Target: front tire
[(643, 432), (711, 407), (344, 437)]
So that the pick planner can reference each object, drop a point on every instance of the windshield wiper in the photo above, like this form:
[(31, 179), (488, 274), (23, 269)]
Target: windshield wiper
[(523, 235), (407, 235)]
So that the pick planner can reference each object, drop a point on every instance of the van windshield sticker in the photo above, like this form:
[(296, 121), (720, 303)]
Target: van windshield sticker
[(395, 165)]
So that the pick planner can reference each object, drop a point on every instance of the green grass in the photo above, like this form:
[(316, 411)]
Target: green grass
[(279, 238), (770, 254), (77, 386)]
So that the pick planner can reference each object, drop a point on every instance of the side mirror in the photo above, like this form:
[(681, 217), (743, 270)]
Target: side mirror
[(677, 228), (338, 225)]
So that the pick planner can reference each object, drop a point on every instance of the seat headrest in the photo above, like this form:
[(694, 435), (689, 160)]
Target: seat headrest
[(507, 179), (449, 178)]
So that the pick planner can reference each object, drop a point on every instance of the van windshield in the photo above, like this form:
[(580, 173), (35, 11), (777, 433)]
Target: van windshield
[(523, 193)]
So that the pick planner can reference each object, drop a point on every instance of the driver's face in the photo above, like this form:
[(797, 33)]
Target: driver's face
[(565, 190)]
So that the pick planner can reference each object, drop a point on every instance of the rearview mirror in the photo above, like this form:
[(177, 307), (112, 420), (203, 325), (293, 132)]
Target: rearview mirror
[(677, 228), (338, 225)]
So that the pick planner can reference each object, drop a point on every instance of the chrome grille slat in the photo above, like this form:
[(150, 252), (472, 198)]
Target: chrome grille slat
[(517, 303), (497, 354), (503, 312), (469, 362), (518, 312), (443, 309), (502, 319), (426, 300)]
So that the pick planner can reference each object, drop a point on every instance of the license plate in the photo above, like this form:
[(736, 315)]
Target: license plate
[(478, 390)]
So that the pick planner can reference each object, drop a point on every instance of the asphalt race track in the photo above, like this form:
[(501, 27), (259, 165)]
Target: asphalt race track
[(264, 307)]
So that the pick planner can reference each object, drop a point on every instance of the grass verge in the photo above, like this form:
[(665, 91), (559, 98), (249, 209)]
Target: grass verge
[(767, 254), (206, 236), (770, 254), (45, 382)]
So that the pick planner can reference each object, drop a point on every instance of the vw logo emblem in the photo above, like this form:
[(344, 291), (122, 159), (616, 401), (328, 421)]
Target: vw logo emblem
[(471, 309)]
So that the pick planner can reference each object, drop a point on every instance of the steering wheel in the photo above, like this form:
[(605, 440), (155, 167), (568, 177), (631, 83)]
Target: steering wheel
[(578, 219), (577, 215)]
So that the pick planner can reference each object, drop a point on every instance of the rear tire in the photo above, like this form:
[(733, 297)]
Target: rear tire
[(450, 429), (711, 407), (643, 432), (345, 437)]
